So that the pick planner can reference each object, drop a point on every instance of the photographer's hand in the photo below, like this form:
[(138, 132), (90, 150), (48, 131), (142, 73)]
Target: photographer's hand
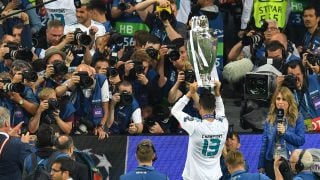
[(93, 30), (128, 65), (49, 71), (132, 128), (68, 38), (24, 18), (99, 131), (25, 138), (142, 79), (156, 129), (276, 165), (163, 3), (43, 106), (115, 98)]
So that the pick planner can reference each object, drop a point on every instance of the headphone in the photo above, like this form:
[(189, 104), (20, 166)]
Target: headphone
[(299, 165), (150, 145)]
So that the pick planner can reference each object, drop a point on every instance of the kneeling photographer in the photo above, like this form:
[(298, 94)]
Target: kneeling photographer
[(56, 113), (16, 96), (125, 113), (89, 93)]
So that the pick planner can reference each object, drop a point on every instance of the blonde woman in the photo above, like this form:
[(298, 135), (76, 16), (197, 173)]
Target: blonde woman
[(290, 133)]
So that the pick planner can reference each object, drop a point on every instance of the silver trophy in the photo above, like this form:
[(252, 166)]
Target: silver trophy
[(202, 50)]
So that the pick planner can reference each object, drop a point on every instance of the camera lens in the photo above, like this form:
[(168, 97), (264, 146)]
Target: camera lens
[(59, 68), (174, 55)]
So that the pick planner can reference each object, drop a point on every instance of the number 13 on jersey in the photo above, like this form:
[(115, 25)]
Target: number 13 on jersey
[(210, 147)]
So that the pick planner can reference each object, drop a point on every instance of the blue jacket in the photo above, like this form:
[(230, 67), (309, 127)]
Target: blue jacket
[(248, 176), (12, 158), (305, 175), (293, 138), (144, 172), (310, 109)]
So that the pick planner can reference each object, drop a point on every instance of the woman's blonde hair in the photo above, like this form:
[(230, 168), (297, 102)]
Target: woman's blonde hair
[(292, 112)]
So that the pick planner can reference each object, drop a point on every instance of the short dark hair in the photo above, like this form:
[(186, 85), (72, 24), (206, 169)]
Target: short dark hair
[(66, 164), (45, 136), (207, 101), (141, 37), (18, 26), (274, 46), (297, 63), (235, 134), (54, 24), (98, 5), (310, 7)]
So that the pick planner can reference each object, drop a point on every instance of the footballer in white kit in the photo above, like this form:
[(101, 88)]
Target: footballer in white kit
[(62, 10), (207, 136)]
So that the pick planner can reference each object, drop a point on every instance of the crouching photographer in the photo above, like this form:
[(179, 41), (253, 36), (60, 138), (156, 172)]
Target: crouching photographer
[(158, 121), (125, 113), (301, 162), (59, 114), (89, 93), (306, 92)]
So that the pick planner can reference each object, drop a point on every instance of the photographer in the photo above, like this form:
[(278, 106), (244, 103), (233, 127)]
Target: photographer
[(18, 98), (127, 20), (53, 75), (143, 77), (125, 113), (311, 40), (301, 162), (284, 130), (89, 93), (160, 16), (253, 44), (56, 113), (306, 91)]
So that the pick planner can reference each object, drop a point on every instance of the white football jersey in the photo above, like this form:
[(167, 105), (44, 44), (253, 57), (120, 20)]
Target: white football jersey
[(72, 28), (63, 10), (206, 141)]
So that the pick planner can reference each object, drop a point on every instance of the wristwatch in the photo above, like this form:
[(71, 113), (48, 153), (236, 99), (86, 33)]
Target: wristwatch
[(21, 101)]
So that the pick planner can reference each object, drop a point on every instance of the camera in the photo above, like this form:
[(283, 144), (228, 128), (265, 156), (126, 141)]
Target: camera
[(138, 67), (125, 98), (85, 80), (12, 87), (290, 81), (53, 104), (30, 76), (164, 13), (18, 52), (60, 68), (149, 122), (189, 75), (82, 37), (173, 54), (259, 86), (253, 39), (113, 59), (74, 48), (313, 59), (152, 53), (125, 5), (115, 42), (112, 72)]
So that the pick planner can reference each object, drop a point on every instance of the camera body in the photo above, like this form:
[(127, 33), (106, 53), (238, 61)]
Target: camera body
[(164, 13), (85, 80), (12, 87), (189, 75), (112, 71), (81, 37), (256, 38), (259, 86), (290, 81), (53, 104), (152, 53), (116, 42), (313, 59), (125, 98), (60, 68), (30, 76), (138, 67), (173, 54), (18, 52)]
